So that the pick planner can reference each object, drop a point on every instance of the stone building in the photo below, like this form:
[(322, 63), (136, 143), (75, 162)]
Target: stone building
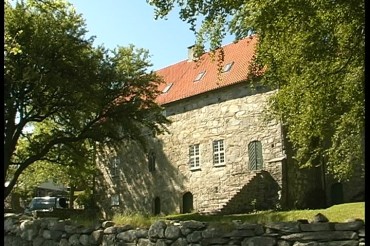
[(221, 153)]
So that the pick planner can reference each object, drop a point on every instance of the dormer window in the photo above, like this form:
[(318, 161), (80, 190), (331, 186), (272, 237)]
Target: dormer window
[(167, 88), (200, 76), (227, 67)]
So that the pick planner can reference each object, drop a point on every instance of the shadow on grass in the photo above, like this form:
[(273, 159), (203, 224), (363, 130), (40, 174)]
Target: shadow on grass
[(337, 213)]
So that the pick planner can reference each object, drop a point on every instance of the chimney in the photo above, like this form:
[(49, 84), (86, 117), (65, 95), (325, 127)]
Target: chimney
[(191, 53)]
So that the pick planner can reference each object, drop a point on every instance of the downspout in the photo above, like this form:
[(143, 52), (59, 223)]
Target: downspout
[(284, 167), (94, 174), (284, 162)]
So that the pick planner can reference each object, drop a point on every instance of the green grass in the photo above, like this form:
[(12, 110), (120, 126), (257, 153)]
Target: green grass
[(337, 213), (136, 220)]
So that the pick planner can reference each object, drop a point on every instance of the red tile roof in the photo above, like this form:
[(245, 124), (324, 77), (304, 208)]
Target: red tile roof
[(182, 74)]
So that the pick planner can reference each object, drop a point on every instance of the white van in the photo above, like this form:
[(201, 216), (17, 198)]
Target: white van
[(46, 203)]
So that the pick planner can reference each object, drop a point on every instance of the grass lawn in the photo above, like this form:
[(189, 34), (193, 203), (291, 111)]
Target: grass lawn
[(337, 213)]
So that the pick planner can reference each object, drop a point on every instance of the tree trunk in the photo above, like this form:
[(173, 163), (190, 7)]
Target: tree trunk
[(71, 196)]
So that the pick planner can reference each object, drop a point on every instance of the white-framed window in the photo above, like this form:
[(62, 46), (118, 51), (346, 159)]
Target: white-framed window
[(218, 153), (114, 166), (255, 155), (194, 156)]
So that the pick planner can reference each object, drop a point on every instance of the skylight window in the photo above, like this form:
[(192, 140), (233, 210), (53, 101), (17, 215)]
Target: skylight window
[(167, 88), (227, 67), (200, 76)]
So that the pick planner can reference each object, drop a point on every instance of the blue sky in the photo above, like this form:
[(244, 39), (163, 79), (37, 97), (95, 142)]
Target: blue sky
[(123, 22)]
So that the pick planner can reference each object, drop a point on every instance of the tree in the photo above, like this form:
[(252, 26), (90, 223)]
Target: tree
[(54, 76), (72, 165), (313, 52)]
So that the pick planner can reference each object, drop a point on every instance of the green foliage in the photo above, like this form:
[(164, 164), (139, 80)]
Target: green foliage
[(70, 164), (85, 198), (62, 95), (35, 175), (134, 219), (313, 53)]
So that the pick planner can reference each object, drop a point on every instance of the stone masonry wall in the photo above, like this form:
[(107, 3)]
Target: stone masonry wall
[(233, 114), (135, 186), (51, 231)]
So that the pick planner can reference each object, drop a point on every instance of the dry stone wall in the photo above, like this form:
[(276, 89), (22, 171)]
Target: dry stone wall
[(52, 231)]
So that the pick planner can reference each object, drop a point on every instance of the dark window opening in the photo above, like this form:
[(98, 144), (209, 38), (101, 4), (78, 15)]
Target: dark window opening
[(157, 206), (336, 193), (151, 161)]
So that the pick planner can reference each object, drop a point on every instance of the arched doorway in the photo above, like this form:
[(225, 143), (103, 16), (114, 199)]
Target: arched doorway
[(336, 193), (157, 206), (187, 203)]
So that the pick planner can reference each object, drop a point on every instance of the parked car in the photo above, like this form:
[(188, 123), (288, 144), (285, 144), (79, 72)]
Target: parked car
[(47, 203)]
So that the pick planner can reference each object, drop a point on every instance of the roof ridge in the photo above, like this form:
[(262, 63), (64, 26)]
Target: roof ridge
[(208, 52)]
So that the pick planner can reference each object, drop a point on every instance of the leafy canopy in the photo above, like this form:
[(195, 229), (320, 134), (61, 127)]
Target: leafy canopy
[(313, 52), (61, 92), (71, 165)]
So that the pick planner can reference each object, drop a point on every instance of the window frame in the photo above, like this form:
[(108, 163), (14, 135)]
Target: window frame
[(115, 200), (227, 67), (194, 157), (200, 76), (114, 166), (218, 151), (167, 88)]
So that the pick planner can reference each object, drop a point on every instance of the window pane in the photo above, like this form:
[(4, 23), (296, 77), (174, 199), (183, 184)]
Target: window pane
[(215, 159), (200, 76), (227, 67), (218, 152), (194, 156), (167, 88)]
